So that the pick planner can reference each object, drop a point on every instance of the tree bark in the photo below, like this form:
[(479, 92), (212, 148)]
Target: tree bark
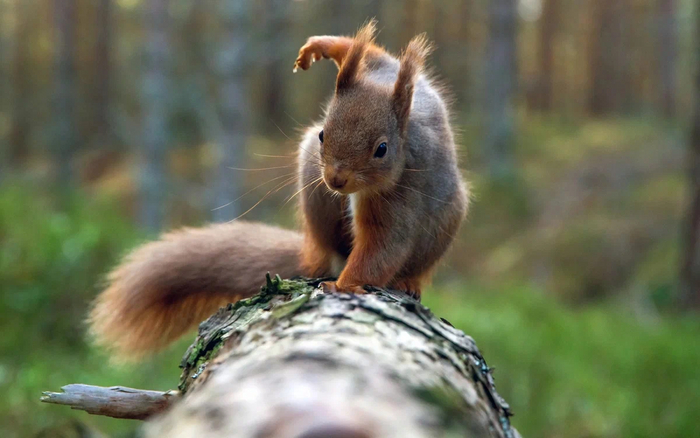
[(294, 362)]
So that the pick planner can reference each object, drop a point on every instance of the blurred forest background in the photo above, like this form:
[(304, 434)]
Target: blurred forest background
[(577, 272)]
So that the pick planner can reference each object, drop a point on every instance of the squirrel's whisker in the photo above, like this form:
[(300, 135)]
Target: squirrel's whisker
[(262, 168), (275, 156), (285, 183), (421, 193), (320, 182), (251, 190), (312, 154), (293, 119), (280, 129), (302, 189)]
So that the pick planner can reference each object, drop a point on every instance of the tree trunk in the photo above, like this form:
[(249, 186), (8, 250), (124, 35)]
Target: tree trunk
[(228, 60), (6, 13), (501, 83), (294, 362), (65, 137), (155, 115), (667, 49), (453, 37), (690, 268), (21, 86), (548, 30), (103, 47), (277, 47), (606, 58)]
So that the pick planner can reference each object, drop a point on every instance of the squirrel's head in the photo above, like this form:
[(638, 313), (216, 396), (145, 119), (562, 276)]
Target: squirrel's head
[(363, 137)]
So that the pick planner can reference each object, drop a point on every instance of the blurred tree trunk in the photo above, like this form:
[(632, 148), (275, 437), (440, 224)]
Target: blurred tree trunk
[(605, 59), (410, 20), (19, 131), (627, 18), (548, 29), (65, 137), (103, 65), (229, 60), (153, 174), (690, 268), (501, 83), (6, 13), (277, 25), (452, 38), (667, 50)]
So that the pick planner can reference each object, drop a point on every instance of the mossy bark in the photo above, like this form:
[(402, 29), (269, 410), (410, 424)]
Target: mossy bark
[(294, 362)]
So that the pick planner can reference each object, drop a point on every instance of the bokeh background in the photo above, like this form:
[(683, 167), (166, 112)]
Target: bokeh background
[(577, 271)]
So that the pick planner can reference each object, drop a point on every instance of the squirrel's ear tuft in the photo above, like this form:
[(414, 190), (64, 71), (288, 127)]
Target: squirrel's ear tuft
[(412, 61), (352, 64)]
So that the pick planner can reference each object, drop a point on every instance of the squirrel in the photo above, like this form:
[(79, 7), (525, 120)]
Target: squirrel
[(392, 202)]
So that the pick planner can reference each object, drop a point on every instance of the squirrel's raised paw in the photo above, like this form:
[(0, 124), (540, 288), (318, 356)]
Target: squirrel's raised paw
[(330, 287), (310, 52)]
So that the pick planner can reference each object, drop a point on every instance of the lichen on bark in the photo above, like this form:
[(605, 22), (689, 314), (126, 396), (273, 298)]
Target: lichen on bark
[(380, 363)]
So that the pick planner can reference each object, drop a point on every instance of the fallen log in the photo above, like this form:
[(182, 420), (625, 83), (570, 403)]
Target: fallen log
[(295, 362)]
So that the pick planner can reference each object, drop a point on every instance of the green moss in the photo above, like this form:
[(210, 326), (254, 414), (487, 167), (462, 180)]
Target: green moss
[(287, 308), (445, 398), (281, 297)]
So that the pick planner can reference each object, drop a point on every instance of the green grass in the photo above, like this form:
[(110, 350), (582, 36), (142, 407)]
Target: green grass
[(594, 371)]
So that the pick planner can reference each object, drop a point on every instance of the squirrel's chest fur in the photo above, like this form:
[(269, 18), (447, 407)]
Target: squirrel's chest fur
[(338, 261), (352, 206)]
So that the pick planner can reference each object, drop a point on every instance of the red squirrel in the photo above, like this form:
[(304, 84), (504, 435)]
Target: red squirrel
[(392, 202)]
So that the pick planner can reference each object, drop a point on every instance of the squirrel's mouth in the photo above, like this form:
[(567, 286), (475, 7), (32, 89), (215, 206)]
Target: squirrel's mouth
[(339, 180), (347, 189)]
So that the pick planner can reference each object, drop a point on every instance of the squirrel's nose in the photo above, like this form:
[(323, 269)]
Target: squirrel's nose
[(338, 181)]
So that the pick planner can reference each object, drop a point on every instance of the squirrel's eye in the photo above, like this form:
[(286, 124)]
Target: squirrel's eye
[(381, 150), (320, 136)]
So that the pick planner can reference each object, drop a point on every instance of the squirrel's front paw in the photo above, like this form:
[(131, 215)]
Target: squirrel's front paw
[(310, 52), (329, 287)]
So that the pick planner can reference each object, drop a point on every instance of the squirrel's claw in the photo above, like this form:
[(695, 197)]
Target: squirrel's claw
[(308, 54), (330, 287)]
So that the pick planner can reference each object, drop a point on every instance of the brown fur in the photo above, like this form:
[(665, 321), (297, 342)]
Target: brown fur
[(389, 224), (412, 61), (165, 287), (371, 106)]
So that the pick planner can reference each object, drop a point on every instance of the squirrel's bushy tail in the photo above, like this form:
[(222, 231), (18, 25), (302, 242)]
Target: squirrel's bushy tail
[(165, 287)]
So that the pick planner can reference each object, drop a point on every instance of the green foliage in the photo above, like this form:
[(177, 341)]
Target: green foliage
[(594, 210), (52, 255), (591, 372)]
